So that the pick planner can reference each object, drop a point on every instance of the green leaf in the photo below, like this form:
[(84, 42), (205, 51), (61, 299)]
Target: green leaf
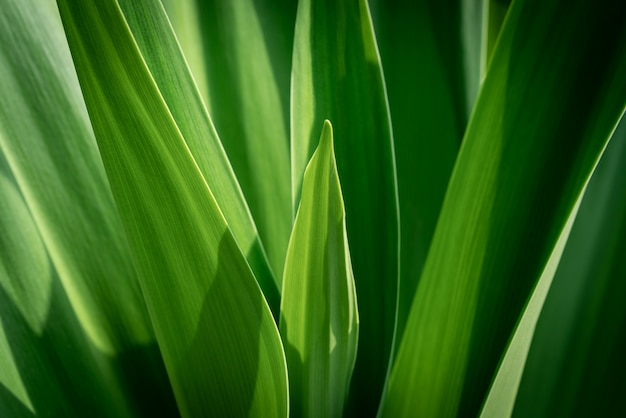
[(158, 46), (185, 19), (501, 397), (319, 317), (576, 365), (554, 90), (495, 11), (337, 76), (25, 276), (62, 183), (425, 47), (74, 331), (246, 49), (219, 341)]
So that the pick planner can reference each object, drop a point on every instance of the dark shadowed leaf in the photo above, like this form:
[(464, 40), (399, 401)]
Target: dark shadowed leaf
[(75, 338), (576, 365), (553, 93)]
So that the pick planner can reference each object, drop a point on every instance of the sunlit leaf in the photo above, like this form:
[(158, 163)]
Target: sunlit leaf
[(245, 48), (501, 398), (75, 338), (215, 330), (319, 319), (337, 76), (62, 183)]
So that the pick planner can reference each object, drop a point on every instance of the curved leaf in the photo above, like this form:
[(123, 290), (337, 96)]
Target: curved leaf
[(575, 365), (53, 159), (426, 47), (554, 90), (75, 337), (245, 49), (219, 342)]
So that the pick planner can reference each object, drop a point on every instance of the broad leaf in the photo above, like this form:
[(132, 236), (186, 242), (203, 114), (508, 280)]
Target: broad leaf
[(319, 318), (554, 90), (219, 341)]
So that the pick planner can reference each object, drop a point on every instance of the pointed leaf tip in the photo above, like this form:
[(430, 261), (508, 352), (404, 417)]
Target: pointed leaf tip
[(319, 318)]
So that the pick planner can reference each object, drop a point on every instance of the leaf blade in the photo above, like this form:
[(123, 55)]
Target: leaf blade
[(154, 37), (350, 91), (425, 48), (512, 179), (55, 179), (76, 335), (574, 355), (199, 289), (502, 393), (245, 51), (321, 343)]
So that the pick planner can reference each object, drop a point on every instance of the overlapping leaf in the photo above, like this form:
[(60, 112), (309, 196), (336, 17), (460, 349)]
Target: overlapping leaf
[(337, 76), (245, 49), (219, 341), (158, 47), (75, 338), (501, 398), (576, 365), (62, 182), (431, 54), (495, 13), (552, 95)]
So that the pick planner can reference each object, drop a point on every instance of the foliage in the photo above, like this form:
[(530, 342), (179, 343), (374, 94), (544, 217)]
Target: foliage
[(228, 208)]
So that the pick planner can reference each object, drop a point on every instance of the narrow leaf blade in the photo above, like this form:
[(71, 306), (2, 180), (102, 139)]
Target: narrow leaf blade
[(245, 51), (74, 331), (337, 76), (552, 95), (63, 182), (575, 364), (431, 54), (158, 46), (319, 318), (501, 398)]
